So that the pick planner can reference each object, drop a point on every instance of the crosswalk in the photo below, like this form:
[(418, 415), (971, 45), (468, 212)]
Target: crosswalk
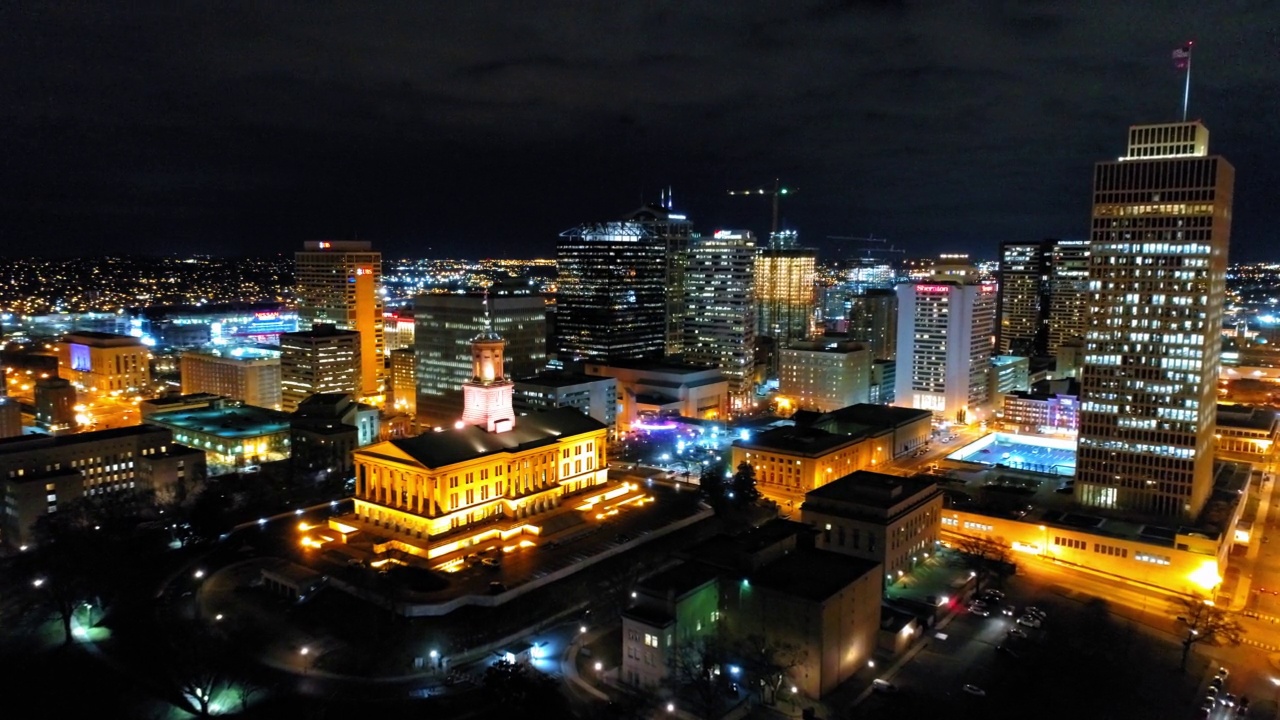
[(1264, 617), (1261, 645)]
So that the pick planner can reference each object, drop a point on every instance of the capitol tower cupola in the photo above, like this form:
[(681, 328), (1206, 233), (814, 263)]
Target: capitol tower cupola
[(487, 395)]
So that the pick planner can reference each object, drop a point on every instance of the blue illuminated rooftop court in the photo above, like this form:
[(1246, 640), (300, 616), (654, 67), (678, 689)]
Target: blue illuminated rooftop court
[(1051, 456)]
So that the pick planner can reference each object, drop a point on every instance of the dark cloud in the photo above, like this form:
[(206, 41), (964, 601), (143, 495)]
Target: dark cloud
[(485, 128)]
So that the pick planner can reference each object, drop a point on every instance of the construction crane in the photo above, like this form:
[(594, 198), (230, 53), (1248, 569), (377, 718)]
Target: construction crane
[(869, 239), (776, 192)]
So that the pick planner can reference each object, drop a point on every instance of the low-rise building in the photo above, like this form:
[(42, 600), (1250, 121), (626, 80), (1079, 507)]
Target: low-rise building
[(55, 405), (40, 473), (656, 389), (10, 417), (104, 362), (231, 435), (911, 428), (672, 612), (1052, 406), (1009, 373), (1248, 433), (593, 396), (173, 403), (327, 428), (895, 521)]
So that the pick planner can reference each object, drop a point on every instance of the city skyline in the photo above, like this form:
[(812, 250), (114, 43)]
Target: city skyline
[(471, 132)]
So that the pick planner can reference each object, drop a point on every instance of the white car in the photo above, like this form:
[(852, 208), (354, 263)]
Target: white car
[(883, 686), (1029, 621), (975, 690)]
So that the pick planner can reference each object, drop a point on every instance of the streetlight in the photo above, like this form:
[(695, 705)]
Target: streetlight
[(198, 574), (671, 707), (37, 582)]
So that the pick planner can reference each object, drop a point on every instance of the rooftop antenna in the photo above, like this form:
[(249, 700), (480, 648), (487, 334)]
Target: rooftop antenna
[(1182, 61)]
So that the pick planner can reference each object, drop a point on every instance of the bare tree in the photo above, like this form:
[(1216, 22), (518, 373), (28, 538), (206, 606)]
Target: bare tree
[(1205, 623), (767, 665), (691, 676), (990, 555), (199, 663)]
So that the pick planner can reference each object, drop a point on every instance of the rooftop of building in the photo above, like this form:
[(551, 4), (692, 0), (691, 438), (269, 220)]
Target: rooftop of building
[(319, 330), (1246, 416), (883, 416), (23, 443), (797, 441), (813, 575), (1047, 389), (560, 378), (873, 489), (1002, 360), (679, 580), (188, 399), (729, 551), (832, 346), (448, 447), (237, 353), (92, 337), (649, 615), (668, 367), (225, 421), (1044, 499)]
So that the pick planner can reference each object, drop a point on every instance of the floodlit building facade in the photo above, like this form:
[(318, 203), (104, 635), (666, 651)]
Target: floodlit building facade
[(945, 340), (104, 362), (786, 290), (894, 521), (1157, 286), (230, 434), (251, 375), (721, 311), (446, 326), (825, 375), (339, 282), (649, 391), (404, 380), (323, 359), (493, 477)]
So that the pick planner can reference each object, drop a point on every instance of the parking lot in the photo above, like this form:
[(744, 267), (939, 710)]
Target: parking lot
[(1082, 663), (1007, 451)]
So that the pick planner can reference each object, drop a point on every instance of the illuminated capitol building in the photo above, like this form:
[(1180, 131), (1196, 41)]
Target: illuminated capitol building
[(492, 476)]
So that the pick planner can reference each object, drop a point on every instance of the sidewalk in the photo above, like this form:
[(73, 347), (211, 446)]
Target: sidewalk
[(1240, 597), (569, 662)]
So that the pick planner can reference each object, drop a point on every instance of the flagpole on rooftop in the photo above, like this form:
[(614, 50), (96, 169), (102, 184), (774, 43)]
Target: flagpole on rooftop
[(1186, 88)]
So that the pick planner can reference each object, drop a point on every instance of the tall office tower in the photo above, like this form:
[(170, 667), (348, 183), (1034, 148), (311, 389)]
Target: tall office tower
[(339, 284), (323, 359), (675, 232), (873, 321), (446, 326), (786, 290), (1022, 305), (251, 375), (720, 328), (611, 301), (1157, 285), (1068, 292), (946, 334)]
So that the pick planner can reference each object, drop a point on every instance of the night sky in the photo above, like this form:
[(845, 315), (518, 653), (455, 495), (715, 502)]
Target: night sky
[(483, 129)]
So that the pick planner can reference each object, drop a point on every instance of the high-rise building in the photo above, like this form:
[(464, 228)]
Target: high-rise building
[(446, 326), (250, 375), (946, 334), (825, 375), (99, 361), (323, 359), (399, 328), (404, 380), (675, 232), (786, 289), (1157, 284), (1068, 292), (873, 321), (1042, 295), (611, 297), (1021, 326), (338, 283), (720, 326)]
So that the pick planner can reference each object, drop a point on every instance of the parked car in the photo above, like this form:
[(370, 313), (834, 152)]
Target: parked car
[(1242, 707), (993, 593), (975, 690), (1033, 610), (981, 610), (883, 686), (1017, 632), (1224, 673), (1029, 621), (491, 563), (1009, 610)]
